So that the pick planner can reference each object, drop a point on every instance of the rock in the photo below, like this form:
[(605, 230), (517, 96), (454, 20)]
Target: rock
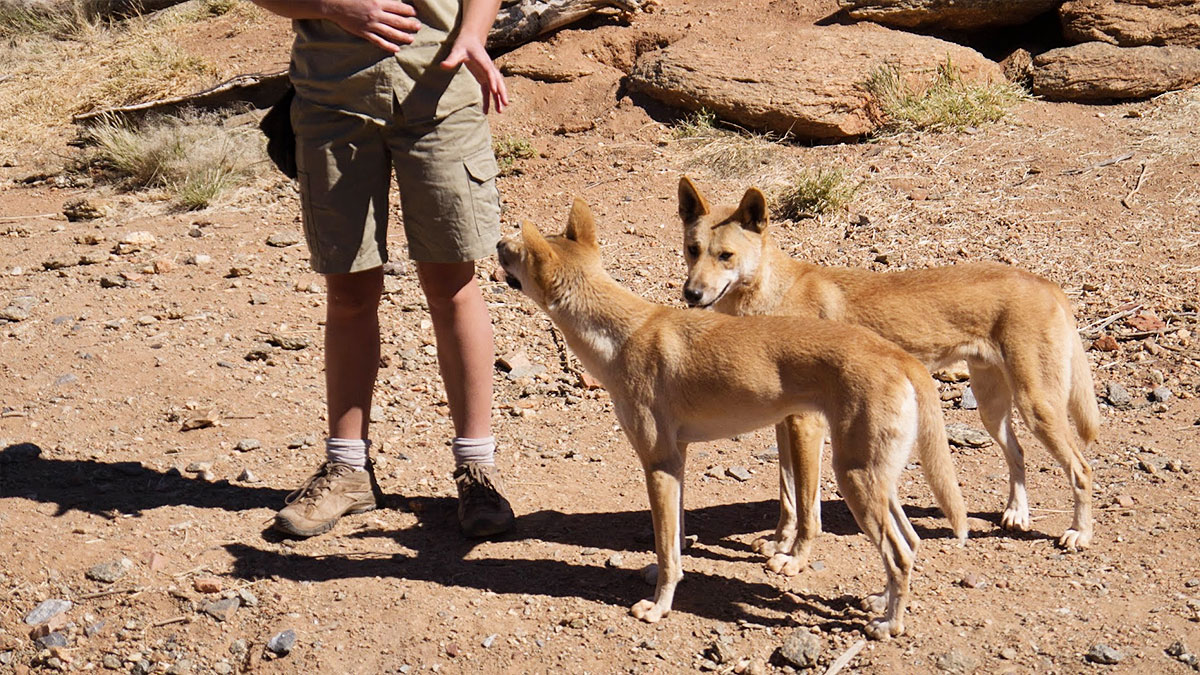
[(951, 15), (283, 239), (133, 242), (1105, 655), (1160, 394), (222, 609), (1106, 343), (112, 662), (109, 572), (1009, 653), (200, 421), (968, 401), (810, 88), (963, 436), (289, 342), (1097, 71), (489, 641), (715, 472), (84, 209), (801, 649), (1131, 23), (739, 473), (47, 610), (59, 262), (1116, 395), (93, 258), (955, 373), (549, 62), (282, 642), (615, 560), (222, 668), (113, 281), (719, 652), (971, 580), (248, 444), (207, 584), (1123, 501), (817, 565), (247, 476), (199, 259), (955, 661), (453, 650), (1192, 583), (55, 639)]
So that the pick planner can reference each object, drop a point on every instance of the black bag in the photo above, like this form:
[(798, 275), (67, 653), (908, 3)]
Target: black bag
[(281, 139)]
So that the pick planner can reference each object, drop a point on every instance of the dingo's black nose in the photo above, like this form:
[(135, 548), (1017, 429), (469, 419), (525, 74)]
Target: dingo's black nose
[(692, 296)]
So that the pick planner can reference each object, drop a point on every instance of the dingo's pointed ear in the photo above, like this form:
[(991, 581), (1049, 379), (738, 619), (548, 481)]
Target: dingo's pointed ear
[(581, 226), (752, 211), (692, 204), (535, 243)]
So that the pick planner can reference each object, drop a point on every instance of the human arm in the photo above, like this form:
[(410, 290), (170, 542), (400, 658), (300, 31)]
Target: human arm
[(469, 49), (387, 24)]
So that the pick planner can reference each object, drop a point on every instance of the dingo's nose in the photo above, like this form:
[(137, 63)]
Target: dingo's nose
[(692, 296)]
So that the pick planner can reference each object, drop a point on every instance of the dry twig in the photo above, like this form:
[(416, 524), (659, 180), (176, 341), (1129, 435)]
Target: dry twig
[(1126, 200)]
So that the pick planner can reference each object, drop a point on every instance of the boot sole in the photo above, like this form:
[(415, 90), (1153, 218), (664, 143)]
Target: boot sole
[(287, 527)]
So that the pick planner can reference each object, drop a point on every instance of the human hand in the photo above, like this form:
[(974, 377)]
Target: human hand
[(470, 51), (387, 24)]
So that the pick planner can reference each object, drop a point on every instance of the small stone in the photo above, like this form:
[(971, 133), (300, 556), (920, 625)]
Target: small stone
[(802, 649), (1106, 343), (111, 662), (259, 299), (615, 561), (180, 667), (109, 572), (55, 639), (489, 641), (93, 258), (1116, 395), (1192, 583), (222, 609), (83, 209), (719, 652), (1160, 394), (968, 401), (136, 241), (1105, 655), (164, 266), (199, 259), (222, 668), (954, 373), (239, 647), (883, 258), (69, 378), (1008, 654), (246, 476), (94, 629), (971, 580), (453, 650), (207, 584), (955, 661), (1123, 501), (282, 642), (198, 467), (963, 436), (113, 281), (289, 342), (816, 565), (283, 239), (58, 262), (200, 421), (248, 598), (740, 473), (248, 444)]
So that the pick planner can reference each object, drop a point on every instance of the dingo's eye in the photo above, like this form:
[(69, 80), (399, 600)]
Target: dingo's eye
[(725, 255), (693, 251)]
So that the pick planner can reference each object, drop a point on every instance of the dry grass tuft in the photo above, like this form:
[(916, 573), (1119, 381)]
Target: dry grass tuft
[(812, 193), (195, 157), (946, 103), (722, 151)]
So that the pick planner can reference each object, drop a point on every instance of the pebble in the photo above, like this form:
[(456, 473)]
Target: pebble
[(1160, 394), (113, 281), (955, 661), (46, 611), (55, 639), (489, 640), (1123, 501), (207, 584), (111, 662), (453, 650), (816, 565), (971, 580), (248, 598), (963, 436), (109, 572), (715, 472), (199, 259), (222, 668), (738, 472), (802, 649), (246, 476), (1103, 654), (248, 444), (222, 609), (968, 401), (615, 560), (288, 342), (1008, 654), (1192, 583), (282, 642), (283, 239)]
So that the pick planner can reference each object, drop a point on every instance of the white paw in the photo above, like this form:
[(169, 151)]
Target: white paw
[(647, 611), (766, 546), (1015, 519), (880, 629), (781, 563), (1075, 540)]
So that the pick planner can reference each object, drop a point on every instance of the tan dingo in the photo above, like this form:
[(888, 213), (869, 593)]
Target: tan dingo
[(1015, 331), (679, 376)]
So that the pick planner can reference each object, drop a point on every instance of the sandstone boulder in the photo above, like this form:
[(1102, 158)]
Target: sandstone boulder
[(1132, 23), (1098, 71), (953, 15), (797, 79)]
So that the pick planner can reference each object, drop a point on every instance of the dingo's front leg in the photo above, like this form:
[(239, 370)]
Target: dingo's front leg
[(800, 438), (664, 483)]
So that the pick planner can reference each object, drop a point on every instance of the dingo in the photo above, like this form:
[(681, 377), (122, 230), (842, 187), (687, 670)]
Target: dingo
[(1015, 331), (678, 376)]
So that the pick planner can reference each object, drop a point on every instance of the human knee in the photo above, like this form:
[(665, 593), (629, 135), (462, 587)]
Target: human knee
[(352, 296)]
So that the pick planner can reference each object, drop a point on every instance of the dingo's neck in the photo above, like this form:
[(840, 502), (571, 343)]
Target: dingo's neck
[(597, 316)]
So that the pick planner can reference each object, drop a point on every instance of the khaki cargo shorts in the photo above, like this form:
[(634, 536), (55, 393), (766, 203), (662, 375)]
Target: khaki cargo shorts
[(445, 170)]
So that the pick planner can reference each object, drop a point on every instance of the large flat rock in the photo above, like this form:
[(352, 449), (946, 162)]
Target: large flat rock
[(1098, 71), (953, 15), (802, 80), (1132, 23)]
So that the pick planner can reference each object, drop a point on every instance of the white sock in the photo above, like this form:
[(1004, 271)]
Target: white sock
[(474, 450), (348, 451)]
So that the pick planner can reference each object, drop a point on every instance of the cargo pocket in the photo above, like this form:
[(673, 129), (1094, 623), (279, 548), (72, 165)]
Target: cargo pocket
[(485, 198)]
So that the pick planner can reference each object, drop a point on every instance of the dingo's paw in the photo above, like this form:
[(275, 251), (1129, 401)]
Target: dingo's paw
[(882, 629), (1015, 518), (647, 611), (767, 546), (1075, 540), (782, 563), (875, 603)]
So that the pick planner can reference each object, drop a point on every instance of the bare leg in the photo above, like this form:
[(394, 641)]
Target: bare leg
[(466, 352), (351, 350), (664, 482)]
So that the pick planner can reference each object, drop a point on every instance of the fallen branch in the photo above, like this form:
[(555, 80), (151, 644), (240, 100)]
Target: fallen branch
[(1136, 187), (1095, 328), (845, 658), (527, 19), (167, 622), (115, 591), (259, 90), (1099, 165)]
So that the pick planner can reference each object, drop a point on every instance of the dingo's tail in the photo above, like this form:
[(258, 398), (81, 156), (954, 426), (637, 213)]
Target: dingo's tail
[(1081, 399), (934, 452)]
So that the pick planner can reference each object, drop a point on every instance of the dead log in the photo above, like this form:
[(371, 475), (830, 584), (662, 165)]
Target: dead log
[(258, 91), (525, 20)]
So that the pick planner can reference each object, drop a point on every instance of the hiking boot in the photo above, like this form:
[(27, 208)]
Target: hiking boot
[(333, 491), (482, 509)]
